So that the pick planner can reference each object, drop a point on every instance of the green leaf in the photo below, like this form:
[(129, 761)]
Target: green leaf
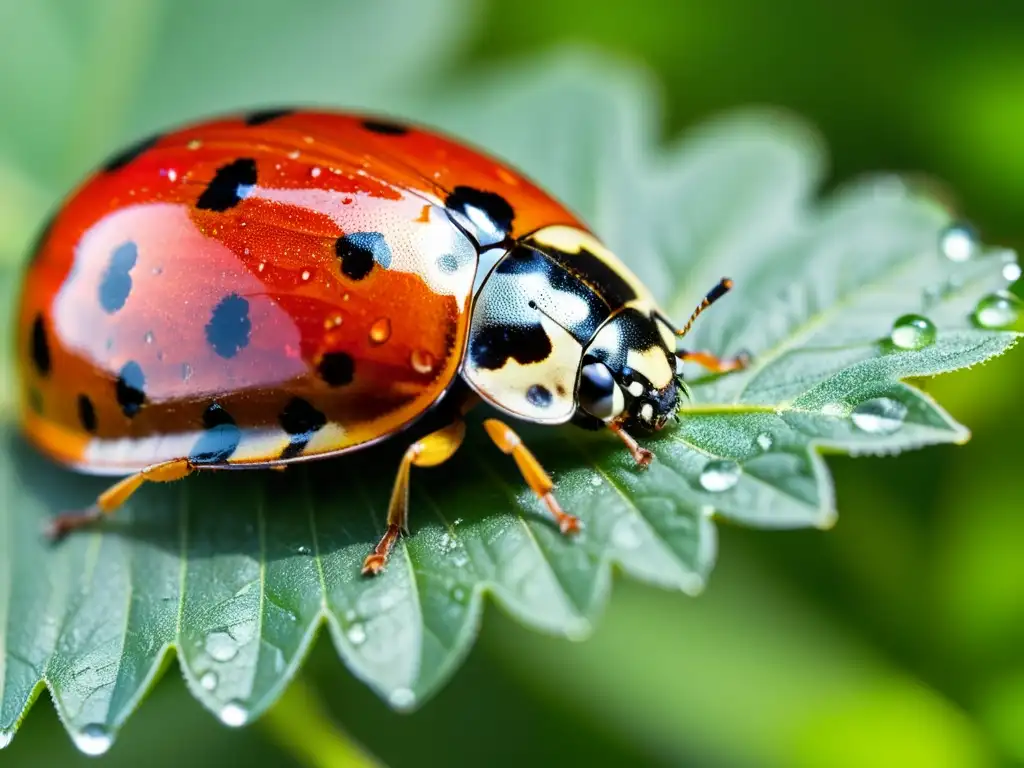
[(238, 571)]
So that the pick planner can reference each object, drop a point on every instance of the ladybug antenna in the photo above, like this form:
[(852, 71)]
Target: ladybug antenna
[(723, 287)]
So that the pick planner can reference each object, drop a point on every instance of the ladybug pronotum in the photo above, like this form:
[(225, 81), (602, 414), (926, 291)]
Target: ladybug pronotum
[(271, 288)]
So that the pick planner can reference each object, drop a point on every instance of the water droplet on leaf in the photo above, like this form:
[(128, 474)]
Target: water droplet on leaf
[(94, 739), (460, 595), (356, 634), (303, 550), (832, 409), (209, 681), (764, 441), (720, 475), (401, 698), (1011, 271), (221, 646), (6, 737), (879, 416), (595, 480), (997, 310), (912, 332), (234, 714), (958, 242)]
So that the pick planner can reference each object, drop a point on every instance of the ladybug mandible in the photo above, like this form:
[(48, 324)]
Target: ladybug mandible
[(288, 285)]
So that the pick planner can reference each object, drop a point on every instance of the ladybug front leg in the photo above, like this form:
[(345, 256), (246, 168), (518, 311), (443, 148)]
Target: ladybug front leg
[(713, 363), (436, 448), (116, 495), (538, 480)]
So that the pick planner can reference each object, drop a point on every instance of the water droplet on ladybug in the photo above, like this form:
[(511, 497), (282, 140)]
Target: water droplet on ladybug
[(912, 332), (997, 310), (720, 475), (194, 144), (333, 321), (958, 242), (380, 332), (305, 274), (879, 416), (422, 361), (315, 171), (294, 154), (149, 337)]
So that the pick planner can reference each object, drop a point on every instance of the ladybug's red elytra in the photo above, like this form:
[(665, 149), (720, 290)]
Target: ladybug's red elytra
[(270, 288)]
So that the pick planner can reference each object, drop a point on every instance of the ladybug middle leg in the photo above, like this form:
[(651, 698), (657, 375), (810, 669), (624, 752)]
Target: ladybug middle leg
[(116, 495), (538, 480), (436, 448)]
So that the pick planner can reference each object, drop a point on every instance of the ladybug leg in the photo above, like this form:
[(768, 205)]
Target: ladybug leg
[(715, 364), (641, 455), (436, 448), (117, 494), (538, 480)]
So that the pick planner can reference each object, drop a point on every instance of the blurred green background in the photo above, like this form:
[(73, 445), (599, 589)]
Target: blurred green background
[(895, 639)]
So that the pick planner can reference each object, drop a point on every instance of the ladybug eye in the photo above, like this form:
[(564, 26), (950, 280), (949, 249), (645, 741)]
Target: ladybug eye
[(598, 393)]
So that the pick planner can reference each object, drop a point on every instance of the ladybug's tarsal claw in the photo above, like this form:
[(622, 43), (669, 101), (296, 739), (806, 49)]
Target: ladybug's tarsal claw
[(374, 564), (66, 522)]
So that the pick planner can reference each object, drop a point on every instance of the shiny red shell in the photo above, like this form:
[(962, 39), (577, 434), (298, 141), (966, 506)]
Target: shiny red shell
[(259, 289)]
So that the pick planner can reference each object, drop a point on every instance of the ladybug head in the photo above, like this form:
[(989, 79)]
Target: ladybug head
[(628, 373)]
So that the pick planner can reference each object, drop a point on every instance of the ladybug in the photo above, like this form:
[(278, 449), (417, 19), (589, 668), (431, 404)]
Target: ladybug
[(259, 290)]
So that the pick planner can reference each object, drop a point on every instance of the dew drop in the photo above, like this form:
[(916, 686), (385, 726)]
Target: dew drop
[(832, 409), (997, 310), (380, 331), (303, 550), (912, 332), (149, 337), (720, 475), (350, 615), (765, 441), (958, 242), (186, 371), (294, 154), (879, 416), (333, 321), (234, 714), (305, 274), (194, 144), (6, 737), (401, 698), (595, 481), (422, 361), (1011, 272), (221, 646), (356, 634), (460, 595), (315, 171), (209, 681), (157, 270), (94, 739)]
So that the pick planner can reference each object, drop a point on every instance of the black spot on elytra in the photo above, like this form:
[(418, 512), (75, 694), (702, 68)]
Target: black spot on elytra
[(300, 420), (588, 267), (448, 263), (220, 439), (359, 251), (130, 388), (128, 154), (261, 116), (385, 127), (116, 284), (229, 327), (492, 347), (230, 184), (538, 395), (497, 210), (86, 413), (336, 368), (39, 346)]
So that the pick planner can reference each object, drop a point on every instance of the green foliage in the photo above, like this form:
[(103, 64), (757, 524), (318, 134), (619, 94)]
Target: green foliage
[(238, 572)]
